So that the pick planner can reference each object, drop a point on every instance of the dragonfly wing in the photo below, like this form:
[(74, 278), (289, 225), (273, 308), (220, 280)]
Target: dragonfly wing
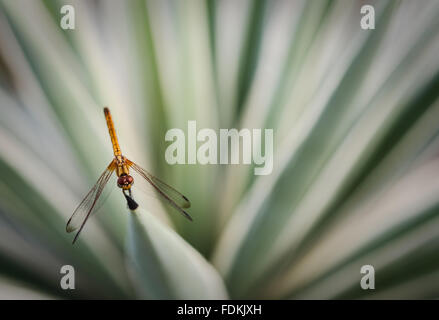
[(89, 204), (172, 196)]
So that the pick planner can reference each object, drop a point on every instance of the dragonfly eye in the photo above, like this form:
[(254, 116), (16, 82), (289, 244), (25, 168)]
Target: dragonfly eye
[(125, 181)]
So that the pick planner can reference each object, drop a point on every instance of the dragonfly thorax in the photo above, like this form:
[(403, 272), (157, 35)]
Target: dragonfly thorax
[(125, 181)]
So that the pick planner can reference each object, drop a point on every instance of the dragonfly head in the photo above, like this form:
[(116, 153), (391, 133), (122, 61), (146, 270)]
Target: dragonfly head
[(125, 181)]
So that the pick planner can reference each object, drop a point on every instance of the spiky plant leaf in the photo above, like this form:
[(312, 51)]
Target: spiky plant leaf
[(354, 114), (165, 266)]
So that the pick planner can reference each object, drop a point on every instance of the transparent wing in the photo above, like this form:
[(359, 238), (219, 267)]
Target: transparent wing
[(89, 204), (168, 193)]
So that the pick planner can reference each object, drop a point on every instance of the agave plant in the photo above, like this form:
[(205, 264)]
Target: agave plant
[(355, 116)]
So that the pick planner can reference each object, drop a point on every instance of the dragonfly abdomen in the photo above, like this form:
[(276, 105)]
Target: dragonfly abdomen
[(112, 132)]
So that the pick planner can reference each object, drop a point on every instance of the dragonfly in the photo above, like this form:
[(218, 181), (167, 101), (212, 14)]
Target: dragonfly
[(121, 166)]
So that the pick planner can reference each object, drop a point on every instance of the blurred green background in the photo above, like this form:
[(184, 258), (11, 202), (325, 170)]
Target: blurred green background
[(355, 115)]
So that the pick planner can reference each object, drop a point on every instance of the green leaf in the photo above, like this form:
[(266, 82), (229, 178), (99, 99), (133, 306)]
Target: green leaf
[(165, 266)]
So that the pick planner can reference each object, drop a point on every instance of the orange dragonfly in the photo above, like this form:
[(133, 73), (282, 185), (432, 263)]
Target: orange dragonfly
[(121, 165)]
